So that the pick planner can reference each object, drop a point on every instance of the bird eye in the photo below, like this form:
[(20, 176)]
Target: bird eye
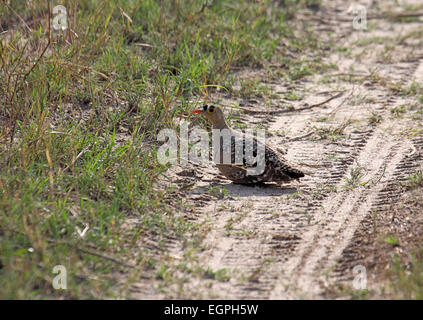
[(205, 107), (210, 109)]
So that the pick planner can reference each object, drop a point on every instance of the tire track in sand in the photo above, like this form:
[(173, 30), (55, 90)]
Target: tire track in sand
[(339, 217)]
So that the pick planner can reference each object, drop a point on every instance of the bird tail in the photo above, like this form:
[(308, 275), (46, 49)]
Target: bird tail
[(292, 172), (295, 173)]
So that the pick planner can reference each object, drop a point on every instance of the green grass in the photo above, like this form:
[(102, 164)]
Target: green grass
[(332, 133), (79, 114), (392, 240), (398, 111), (415, 180), (355, 178), (406, 271), (408, 279)]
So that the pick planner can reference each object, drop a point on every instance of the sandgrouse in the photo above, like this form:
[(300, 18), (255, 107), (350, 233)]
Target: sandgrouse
[(274, 169)]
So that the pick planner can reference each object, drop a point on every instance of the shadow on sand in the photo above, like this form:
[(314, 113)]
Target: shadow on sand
[(262, 190)]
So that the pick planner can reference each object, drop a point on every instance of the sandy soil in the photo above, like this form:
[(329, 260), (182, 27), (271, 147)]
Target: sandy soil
[(302, 240)]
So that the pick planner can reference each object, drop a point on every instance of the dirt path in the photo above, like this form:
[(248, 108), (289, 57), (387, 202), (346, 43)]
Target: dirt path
[(278, 243)]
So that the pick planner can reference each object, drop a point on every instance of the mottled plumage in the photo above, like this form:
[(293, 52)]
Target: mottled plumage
[(276, 168)]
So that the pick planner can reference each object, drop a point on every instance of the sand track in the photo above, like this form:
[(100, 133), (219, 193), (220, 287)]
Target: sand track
[(287, 242)]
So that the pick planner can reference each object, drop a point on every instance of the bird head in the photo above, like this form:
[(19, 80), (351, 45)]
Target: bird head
[(214, 114)]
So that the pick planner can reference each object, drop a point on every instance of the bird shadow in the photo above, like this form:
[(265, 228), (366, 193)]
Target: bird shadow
[(262, 190)]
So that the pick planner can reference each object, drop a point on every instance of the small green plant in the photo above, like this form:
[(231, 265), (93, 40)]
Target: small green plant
[(375, 118), (398, 111), (357, 100), (415, 180), (392, 240), (293, 96), (407, 279), (332, 133), (322, 189), (413, 89), (359, 294), (322, 119), (218, 192), (219, 275), (251, 88), (355, 178)]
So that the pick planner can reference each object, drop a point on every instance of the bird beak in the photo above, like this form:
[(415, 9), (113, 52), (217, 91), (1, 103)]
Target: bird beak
[(198, 111)]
